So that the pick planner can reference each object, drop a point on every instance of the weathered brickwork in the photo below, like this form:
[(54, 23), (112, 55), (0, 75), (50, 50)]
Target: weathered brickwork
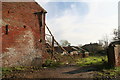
[(117, 55), (114, 54), (21, 45)]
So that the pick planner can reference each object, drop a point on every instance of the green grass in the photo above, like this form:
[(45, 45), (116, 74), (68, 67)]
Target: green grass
[(48, 64), (92, 60), (7, 70), (100, 62), (111, 72)]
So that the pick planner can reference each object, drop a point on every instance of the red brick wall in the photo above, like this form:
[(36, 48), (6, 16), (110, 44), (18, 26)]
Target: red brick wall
[(117, 55), (114, 55), (22, 44)]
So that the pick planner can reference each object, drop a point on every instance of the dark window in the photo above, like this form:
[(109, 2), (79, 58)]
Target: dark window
[(24, 26), (40, 40), (6, 29)]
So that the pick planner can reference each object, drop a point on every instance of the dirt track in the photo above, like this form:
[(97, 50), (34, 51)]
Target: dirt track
[(60, 72)]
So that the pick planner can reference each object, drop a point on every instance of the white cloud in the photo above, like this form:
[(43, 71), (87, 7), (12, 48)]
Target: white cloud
[(76, 1), (101, 19)]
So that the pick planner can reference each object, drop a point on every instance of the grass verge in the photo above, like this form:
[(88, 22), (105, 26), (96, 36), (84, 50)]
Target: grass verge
[(102, 68), (92, 60)]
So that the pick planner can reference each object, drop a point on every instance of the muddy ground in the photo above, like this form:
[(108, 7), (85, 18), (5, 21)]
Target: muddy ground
[(70, 71)]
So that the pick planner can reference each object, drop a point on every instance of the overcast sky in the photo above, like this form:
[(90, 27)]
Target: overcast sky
[(83, 21)]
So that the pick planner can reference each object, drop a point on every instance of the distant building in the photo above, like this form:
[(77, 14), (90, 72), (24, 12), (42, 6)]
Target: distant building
[(68, 49), (72, 50)]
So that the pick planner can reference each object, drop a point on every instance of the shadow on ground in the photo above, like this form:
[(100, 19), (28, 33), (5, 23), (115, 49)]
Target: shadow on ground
[(81, 70), (90, 68)]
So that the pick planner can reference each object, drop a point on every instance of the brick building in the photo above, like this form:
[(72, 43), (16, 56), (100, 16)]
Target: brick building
[(23, 34)]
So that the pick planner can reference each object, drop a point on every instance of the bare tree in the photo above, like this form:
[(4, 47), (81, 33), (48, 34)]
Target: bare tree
[(100, 42), (115, 33), (105, 40)]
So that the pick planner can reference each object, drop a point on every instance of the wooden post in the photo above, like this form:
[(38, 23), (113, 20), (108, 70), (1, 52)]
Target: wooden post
[(52, 48), (52, 44), (57, 42)]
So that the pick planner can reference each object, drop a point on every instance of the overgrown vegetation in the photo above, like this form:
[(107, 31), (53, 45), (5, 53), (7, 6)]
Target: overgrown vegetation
[(48, 64), (8, 70), (109, 73), (92, 60), (102, 68)]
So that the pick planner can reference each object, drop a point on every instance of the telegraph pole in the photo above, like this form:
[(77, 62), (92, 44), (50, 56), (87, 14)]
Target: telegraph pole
[(119, 21)]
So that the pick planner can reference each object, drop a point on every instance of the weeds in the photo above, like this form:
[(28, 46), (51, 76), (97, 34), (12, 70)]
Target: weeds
[(93, 60), (111, 73), (7, 70), (100, 62)]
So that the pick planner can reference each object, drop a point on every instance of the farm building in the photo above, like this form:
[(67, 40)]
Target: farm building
[(72, 50), (23, 34)]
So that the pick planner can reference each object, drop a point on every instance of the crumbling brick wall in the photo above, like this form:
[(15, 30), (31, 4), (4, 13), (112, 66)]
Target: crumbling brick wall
[(117, 55), (22, 46), (20, 50), (114, 54)]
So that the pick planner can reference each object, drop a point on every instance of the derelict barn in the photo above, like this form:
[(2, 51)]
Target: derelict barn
[(23, 33)]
